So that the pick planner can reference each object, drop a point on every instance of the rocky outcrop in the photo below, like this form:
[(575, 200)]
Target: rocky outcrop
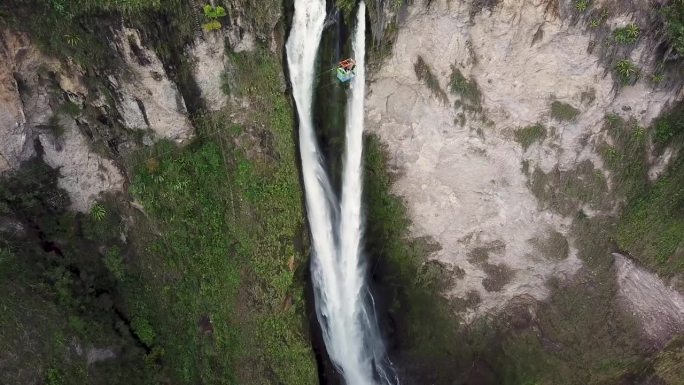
[(459, 83), (210, 59), (19, 62), (34, 88), (148, 99), (659, 309), (84, 174)]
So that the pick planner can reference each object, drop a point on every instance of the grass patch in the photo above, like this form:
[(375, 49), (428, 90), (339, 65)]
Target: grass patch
[(627, 72), (586, 339), (529, 135), (566, 191), (554, 246), (470, 301), (498, 276), (227, 219), (581, 5), (208, 286), (587, 97), (346, 6), (425, 75), (78, 29), (668, 128), (669, 364), (627, 35), (563, 112), (466, 88), (59, 293), (652, 227), (626, 158), (674, 22)]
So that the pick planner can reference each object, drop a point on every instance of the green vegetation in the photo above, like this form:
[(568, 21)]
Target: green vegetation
[(207, 286), (652, 228), (563, 111), (652, 225), (657, 78), (565, 191), (581, 5), (346, 6), (480, 255), (529, 135), (600, 19), (497, 276), (212, 14), (554, 246), (627, 35), (58, 294), (228, 216), (585, 339), (626, 157), (204, 287), (79, 29), (627, 72), (423, 324), (669, 364), (557, 349), (424, 74), (55, 126), (578, 337), (466, 88), (674, 22), (98, 212), (588, 96), (114, 262), (669, 128)]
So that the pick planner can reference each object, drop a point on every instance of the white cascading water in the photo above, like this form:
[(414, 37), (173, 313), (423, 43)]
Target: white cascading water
[(343, 303)]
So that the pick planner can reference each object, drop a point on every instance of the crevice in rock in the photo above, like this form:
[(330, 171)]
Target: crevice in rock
[(141, 106)]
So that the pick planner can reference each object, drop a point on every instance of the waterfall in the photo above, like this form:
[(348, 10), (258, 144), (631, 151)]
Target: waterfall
[(344, 305)]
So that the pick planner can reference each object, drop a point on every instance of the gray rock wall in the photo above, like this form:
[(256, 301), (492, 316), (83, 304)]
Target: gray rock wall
[(462, 172)]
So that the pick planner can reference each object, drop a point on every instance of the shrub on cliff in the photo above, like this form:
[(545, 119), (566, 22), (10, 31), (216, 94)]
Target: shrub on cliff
[(674, 20)]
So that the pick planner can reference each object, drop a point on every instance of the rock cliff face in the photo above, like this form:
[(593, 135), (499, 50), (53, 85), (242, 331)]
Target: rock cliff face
[(17, 57), (35, 91), (33, 88), (140, 99), (147, 99), (211, 61), (461, 81), (658, 307)]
